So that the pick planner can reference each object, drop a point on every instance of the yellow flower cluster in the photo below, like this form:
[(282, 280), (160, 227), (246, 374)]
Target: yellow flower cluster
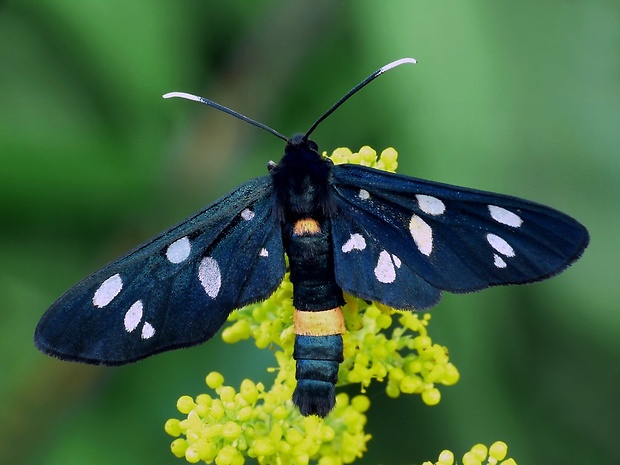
[(494, 455), (406, 357), (367, 156), (265, 426)]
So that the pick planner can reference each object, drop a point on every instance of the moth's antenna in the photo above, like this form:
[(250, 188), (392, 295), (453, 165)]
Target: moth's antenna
[(217, 106), (370, 78)]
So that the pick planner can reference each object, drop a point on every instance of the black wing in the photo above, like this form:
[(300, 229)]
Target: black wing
[(401, 240), (177, 289)]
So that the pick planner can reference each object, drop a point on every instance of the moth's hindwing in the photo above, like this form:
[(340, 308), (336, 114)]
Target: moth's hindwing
[(401, 240), (177, 289)]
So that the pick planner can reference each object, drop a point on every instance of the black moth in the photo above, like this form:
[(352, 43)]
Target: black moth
[(379, 236)]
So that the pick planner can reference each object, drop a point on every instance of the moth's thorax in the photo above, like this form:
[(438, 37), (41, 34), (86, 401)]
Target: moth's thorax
[(301, 182)]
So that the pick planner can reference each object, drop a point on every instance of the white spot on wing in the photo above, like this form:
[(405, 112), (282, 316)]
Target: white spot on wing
[(107, 291), (355, 242), (210, 276), (247, 214), (396, 260), (500, 245), (498, 261), (422, 234), (363, 194), (133, 316), (384, 271), (501, 215), (263, 252), (147, 331), (431, 205), (179, 250)]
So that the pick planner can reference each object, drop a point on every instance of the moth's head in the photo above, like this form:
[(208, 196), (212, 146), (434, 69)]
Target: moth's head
[(300, 142), (299, 153)]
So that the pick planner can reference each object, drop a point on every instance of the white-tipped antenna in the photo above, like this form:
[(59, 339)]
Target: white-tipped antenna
[(370, 78), (213, 104)]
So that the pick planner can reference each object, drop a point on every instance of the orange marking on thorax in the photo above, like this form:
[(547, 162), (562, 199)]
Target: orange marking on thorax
[(306, 227)]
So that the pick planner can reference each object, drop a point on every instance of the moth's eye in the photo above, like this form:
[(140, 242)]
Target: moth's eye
[(313, 145)]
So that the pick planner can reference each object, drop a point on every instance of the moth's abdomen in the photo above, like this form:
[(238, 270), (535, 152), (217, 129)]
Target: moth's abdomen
[(318, 359), (311, 261), (318, 318)]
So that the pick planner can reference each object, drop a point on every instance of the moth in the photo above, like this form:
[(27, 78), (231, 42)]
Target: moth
[(380, 236)]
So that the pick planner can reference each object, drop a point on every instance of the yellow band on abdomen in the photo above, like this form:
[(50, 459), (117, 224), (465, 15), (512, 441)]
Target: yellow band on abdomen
[(323, 323)]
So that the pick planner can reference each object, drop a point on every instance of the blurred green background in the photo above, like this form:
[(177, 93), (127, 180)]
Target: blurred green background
[(516, 97)]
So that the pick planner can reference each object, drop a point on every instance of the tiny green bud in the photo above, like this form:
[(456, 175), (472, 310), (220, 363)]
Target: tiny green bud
[(214, 380), (446, 457), (360, 403), (178, 447), (173, 427), (471, 458), (185, 404), (498, 450), (431, 396), (480, 451)]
